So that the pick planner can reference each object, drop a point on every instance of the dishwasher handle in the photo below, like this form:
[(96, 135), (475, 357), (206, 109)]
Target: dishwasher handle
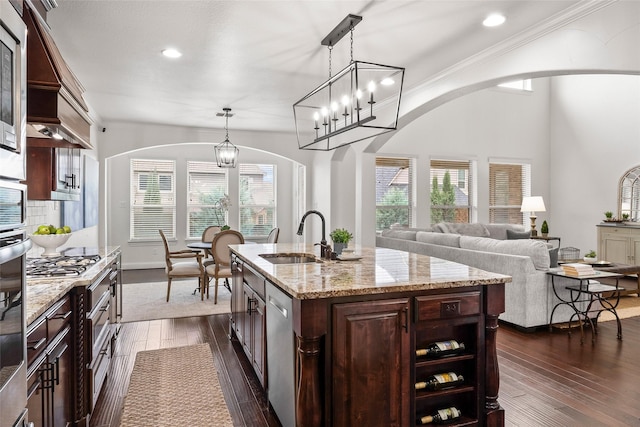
[(282, 310)]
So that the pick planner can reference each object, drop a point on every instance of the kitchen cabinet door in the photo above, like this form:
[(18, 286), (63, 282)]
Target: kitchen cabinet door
[(258, 338), (371, 363)]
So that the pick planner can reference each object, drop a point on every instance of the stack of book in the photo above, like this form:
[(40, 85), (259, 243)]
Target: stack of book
[(578, 269)]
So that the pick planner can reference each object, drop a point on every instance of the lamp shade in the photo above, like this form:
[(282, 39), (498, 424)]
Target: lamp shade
[(532, 204)]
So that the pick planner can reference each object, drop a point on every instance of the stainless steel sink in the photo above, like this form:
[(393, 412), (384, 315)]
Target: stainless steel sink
[(289, 258)]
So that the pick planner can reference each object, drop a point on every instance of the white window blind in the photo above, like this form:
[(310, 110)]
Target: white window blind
[(451, 198), (207, 184), (152, 198), (257, 199), (393, 192), (508, 184)]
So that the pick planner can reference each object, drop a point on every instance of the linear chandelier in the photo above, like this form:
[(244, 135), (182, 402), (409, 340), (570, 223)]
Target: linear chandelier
[(226, 152), (359, 102)]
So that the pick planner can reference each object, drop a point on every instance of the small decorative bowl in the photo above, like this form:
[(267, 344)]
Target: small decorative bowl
[(590, 260), (50, 242)]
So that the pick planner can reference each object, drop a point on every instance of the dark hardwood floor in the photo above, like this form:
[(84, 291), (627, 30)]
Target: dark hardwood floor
[(546, 379)]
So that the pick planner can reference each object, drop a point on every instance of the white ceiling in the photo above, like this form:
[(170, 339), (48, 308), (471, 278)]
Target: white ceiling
[(259, 57)]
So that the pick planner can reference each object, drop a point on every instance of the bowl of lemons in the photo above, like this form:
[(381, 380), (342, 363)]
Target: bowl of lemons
[(51, 238)]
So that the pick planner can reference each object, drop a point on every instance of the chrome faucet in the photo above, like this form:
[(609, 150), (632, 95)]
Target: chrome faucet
[(324, 248)]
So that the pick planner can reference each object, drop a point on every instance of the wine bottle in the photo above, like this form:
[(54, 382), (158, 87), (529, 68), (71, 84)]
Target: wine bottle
[(441, 348), (440, 381), (442, 416)]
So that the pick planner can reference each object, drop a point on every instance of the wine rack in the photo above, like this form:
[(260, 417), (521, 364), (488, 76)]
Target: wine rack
[(437, 321)]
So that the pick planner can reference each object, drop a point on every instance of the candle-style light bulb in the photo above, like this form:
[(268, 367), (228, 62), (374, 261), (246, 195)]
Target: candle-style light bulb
[(371, 87), (316, 116), (358, 97), (345, 104), (334, 108)]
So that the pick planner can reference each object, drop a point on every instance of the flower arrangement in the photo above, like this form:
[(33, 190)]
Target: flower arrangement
[(221, 207)]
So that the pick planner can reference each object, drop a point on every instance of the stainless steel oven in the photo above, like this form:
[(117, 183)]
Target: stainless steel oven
[(12, 93), (14, 245)]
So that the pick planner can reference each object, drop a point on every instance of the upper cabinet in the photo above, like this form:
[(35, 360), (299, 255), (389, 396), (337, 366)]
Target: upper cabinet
[(53, 173), (56, 110)]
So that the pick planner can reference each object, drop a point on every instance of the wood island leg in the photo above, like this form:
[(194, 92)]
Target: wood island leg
[(494, 305), (309, 408)]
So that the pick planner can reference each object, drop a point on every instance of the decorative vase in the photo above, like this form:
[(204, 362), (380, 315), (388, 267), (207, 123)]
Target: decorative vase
[(545, 234), (338, 247)]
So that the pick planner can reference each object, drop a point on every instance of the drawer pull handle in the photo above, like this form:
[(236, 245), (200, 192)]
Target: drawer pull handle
[(62, 316), (37, 345), (406, 319)]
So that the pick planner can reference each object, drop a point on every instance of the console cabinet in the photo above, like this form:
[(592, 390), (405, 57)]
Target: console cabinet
[(619, 244)]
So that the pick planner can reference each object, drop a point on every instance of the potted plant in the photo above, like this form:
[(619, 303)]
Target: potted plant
[(608, 215), (544, 229), (625, 217), (590, 256), (341, 238)]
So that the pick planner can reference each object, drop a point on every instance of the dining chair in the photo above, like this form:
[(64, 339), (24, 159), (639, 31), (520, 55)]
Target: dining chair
[(190, 266), (221, 266), (273, 235), (208, 235)]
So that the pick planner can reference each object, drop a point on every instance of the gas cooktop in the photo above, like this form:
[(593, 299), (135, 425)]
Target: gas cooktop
[(65, 265)]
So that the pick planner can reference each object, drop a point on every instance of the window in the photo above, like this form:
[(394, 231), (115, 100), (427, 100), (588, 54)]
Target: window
[(508, 184), (393, 192), (523, 85), (450, 202), (153, 201), (207, 186), (257, 199), (629, 195)]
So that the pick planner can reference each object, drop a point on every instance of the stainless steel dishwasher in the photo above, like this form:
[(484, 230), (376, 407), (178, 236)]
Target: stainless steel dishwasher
[(280, 355)]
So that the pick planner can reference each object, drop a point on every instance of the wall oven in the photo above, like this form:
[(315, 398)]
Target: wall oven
[(13, 72), (14, 245)]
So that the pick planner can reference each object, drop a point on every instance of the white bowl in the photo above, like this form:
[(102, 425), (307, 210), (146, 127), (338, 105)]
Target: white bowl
[(590, 260), (50, 242)]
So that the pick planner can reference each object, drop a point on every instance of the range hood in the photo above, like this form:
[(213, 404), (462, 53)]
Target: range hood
[(56, 112)]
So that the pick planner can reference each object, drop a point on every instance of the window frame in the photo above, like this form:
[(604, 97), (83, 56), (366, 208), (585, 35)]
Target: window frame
[(513, 204), (221, 216), (271, 206), (399, 163), (458, 165)]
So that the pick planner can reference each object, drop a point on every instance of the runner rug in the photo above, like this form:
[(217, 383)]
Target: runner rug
[(175, 387)]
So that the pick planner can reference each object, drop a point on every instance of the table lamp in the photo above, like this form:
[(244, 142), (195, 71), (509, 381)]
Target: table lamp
[(533, 204)]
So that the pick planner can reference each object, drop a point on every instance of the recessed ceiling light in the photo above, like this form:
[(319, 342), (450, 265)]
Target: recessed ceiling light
[(494, 20), (171, 53)]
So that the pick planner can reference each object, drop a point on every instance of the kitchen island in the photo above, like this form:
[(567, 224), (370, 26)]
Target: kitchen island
[(355, 326)]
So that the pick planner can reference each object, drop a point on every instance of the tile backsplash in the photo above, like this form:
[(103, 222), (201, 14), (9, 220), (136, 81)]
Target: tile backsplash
[(43, 212)]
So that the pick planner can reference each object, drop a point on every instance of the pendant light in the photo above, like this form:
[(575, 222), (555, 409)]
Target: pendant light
[(359, 102), (226, 152)]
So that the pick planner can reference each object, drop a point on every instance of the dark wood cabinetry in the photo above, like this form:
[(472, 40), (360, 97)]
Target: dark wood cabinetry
[(371, 357), (53, 173), (50, 379), (451, 316), (248, 320)]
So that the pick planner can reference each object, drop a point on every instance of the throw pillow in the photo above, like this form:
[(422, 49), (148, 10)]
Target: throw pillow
[(473, 229), (553, 257), (514, 235)]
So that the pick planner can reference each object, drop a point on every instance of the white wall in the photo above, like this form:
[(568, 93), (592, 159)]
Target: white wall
[(595, 139)]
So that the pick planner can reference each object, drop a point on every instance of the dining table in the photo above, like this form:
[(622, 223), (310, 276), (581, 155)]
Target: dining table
[(201, 246)]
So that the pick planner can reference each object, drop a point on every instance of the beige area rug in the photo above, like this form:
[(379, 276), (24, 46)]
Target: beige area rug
[(148, 301), (175, 387), (628, 307)]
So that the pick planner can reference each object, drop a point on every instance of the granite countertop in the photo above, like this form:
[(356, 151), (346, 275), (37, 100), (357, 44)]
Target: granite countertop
[(380, 270), (43, 292)]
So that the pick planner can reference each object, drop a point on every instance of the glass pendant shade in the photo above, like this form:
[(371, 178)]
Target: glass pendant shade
[(359, 102)]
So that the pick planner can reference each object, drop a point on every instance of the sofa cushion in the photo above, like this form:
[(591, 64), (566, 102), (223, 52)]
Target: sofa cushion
[(499, 231), (515, 235), (444, 239), (465, 229), (535, 249), (406, 228), (440, 227), (400, 234)]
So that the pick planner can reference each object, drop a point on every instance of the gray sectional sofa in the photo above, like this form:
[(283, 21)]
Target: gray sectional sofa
[(529, 298)]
